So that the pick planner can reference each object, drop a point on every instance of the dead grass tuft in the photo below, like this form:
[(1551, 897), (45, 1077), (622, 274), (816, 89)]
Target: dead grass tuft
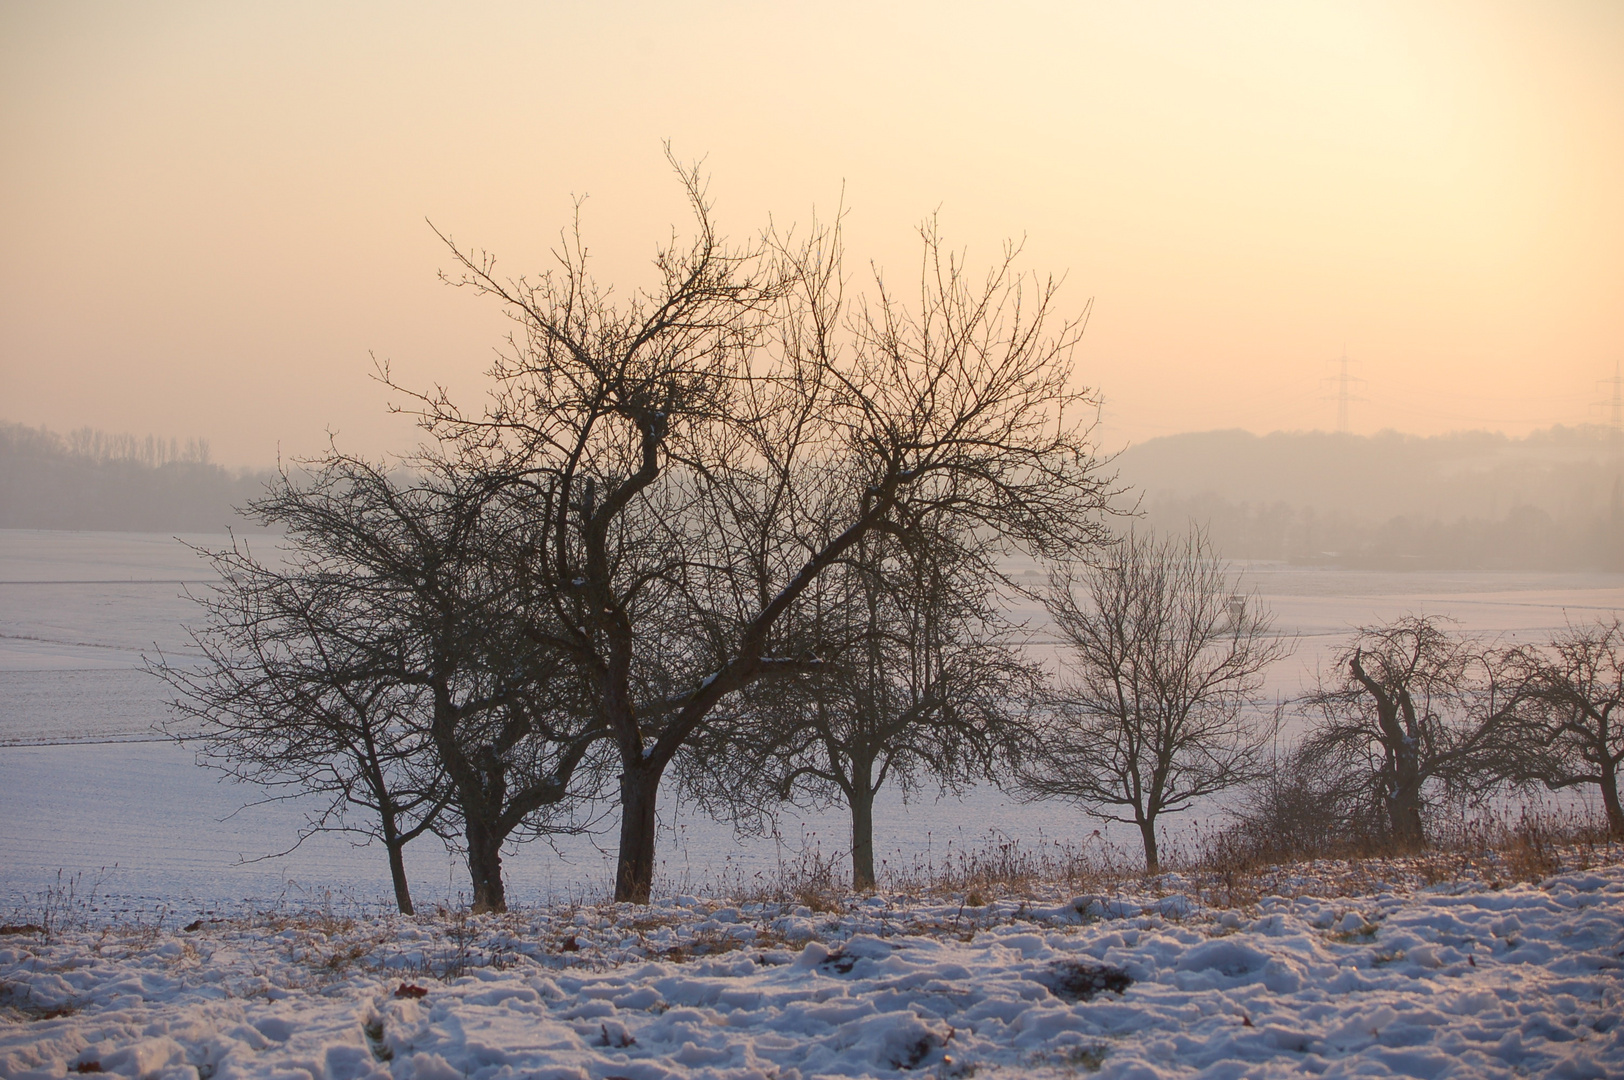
[(808, 879), (1008, 868), (343, 958)]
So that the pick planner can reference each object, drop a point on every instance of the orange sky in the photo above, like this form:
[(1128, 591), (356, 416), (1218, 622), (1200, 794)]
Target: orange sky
[(213, 212)]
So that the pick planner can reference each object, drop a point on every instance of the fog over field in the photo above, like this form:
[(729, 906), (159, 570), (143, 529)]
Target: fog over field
[(1551, 500), (1473, 500)]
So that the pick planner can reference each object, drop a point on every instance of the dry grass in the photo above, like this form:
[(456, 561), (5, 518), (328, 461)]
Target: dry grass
[(705, 944), (807, 879), (971, 887), (1489, 848), (1219, 868), (1008, 868)]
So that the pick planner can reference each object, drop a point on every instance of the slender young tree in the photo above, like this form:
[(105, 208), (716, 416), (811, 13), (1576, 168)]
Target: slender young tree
[(1161, 672), (678, 446), (918, 680)]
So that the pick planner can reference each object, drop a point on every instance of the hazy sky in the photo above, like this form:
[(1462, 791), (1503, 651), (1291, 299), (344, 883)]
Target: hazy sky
[(213, 212)]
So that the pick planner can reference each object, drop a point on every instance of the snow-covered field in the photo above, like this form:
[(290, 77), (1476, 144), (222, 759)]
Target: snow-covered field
[(177, 957), (1464, 979), (85, 789)]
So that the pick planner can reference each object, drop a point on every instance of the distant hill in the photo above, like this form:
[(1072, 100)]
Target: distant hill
[(1476, 500), (92, 480), (1473, 501)]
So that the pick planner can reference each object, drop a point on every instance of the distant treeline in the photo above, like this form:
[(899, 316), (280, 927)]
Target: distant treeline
[(90, 479), (1474, 501), (1471, 501)]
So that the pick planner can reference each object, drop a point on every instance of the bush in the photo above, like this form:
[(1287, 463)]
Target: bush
[(1302, 806)]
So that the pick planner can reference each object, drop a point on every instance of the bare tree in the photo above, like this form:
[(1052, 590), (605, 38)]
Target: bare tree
[(1569, 718), (919, 679), (679, 445), (1161, 673), (287, 696), (417, 592), (1408, 705)]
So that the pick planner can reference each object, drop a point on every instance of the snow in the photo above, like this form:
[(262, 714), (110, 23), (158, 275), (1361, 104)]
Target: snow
[(1453, 980), (1338, 974)]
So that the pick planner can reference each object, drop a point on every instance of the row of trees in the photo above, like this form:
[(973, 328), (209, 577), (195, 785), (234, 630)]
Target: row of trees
[(1157, 707), (673, 506), (752, 531), (90, 479), (1413, 711), (410, 692)]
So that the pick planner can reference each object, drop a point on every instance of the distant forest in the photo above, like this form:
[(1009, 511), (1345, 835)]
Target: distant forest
[(1471, 501), (90, 479)]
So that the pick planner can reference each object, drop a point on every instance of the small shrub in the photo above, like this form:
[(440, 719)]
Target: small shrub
[(1302, 807)]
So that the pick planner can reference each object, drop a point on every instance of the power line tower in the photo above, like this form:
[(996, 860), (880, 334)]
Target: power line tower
[(1342, 383)]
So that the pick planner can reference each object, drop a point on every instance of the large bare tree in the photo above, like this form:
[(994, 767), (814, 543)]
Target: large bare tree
[(414, 588), (1161, 671), (680, 444), (1568, 730), (1408, 706)]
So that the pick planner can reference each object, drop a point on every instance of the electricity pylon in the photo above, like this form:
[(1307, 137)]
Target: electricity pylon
[(1342, 382)]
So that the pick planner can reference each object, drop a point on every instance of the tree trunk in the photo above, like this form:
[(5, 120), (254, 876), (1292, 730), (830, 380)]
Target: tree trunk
[(1609, 799), (397, 871), (1402, 770), (1404, 817), (485, 867), (1147, 833), (1404, 806), (862, 838), (396, 847), (634, 877)]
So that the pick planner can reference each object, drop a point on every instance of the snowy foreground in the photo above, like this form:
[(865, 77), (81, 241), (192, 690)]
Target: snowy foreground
[(1454, 980)]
